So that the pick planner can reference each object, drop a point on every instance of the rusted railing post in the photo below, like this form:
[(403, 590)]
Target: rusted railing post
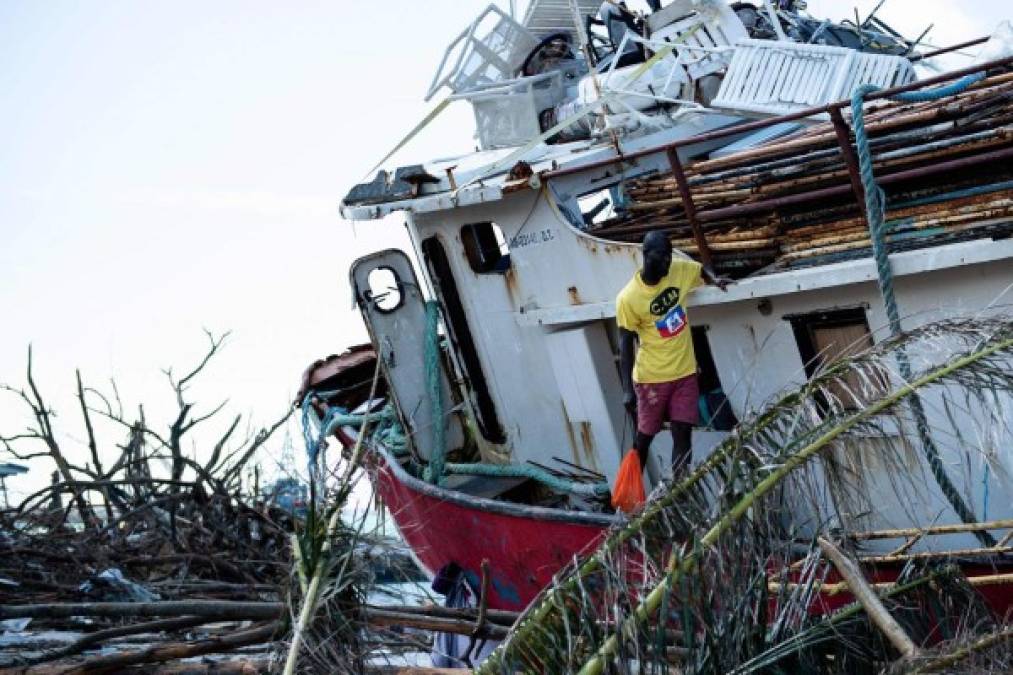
[(843, 132), (687, 205)]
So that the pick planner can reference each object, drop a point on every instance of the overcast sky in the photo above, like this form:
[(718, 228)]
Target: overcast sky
[(168, 167)]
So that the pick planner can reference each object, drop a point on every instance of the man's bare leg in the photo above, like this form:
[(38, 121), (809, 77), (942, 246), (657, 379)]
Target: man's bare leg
[(643, 443), (682, 448)]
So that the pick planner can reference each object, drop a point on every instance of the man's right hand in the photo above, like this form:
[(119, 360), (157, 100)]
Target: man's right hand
[(630, 403)]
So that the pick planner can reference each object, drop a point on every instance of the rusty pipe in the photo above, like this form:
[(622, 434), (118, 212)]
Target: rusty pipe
[(687, 205)]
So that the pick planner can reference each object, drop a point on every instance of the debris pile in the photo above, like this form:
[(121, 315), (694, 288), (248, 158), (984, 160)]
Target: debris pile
[(159, 548), (164, 554), (945, 165)]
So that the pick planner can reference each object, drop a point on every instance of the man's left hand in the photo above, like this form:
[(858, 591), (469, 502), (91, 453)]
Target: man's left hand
[(711, 277)]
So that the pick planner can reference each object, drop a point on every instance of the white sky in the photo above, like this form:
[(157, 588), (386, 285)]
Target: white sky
[(172, 166)]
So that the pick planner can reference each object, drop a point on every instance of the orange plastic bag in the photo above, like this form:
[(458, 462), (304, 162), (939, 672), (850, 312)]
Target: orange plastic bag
[(628, 493)]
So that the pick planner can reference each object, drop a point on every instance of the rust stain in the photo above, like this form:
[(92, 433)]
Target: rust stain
[(510, 277), (574, 296), (588, 442), (569, 432)]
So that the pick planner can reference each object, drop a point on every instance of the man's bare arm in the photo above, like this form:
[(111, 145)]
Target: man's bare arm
[(627, 354)]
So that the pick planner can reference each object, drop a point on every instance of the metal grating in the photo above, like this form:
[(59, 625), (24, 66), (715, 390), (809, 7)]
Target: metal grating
[(545, 17)]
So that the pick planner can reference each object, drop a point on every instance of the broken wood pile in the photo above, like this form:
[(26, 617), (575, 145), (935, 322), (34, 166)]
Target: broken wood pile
[(160, 552), (158, 540), (946, 167)]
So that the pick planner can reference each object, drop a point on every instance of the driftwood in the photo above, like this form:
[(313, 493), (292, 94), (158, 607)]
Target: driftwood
[(143, 519), (168, 652), (870, 601), (97, 638), (216, 610)]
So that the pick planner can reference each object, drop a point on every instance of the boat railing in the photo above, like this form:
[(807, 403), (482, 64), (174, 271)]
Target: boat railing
[(483, 57), (671, 70), (697, 217), (506, 112)]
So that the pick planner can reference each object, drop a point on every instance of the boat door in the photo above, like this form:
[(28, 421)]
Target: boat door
[(391, 302)]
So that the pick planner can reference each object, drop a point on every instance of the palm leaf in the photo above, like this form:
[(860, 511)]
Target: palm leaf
[(737, 515)]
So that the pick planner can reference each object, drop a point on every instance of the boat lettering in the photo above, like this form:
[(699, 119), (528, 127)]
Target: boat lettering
[(530, 238)]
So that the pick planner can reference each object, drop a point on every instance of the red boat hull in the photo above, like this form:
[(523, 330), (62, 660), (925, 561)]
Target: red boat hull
[(525, 546)]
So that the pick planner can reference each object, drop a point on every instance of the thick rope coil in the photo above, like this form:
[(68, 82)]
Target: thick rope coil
[(875, 207)]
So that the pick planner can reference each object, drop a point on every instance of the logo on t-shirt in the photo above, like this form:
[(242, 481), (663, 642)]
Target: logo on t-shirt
[(672, 323), (665, 301)]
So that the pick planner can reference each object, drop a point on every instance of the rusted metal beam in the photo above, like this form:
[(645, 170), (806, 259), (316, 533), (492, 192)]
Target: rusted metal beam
[(761, 124), (951, 48), (843, 133), (687, 204)]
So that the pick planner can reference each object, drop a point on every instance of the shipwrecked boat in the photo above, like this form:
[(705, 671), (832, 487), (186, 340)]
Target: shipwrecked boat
[(499, 424)]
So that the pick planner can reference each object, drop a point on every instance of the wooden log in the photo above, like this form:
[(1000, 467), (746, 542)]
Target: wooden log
[(244, 667), (842, 586), (211, 609), (98, 637), (870, 601), (500, 616), (933, 529), (113, 663), (377, 617)]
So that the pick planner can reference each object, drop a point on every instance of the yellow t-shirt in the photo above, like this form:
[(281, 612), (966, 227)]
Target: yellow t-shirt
[(657, 314)]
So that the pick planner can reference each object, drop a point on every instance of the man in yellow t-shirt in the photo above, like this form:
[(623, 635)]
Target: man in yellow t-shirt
[(651, 310)]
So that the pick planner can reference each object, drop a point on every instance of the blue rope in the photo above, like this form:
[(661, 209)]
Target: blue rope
[(386, 428), (875, 206)]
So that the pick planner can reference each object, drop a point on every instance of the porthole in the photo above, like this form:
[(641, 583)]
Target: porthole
[(385, 290)]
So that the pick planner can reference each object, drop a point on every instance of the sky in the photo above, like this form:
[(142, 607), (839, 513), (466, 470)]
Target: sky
[(172, 167)]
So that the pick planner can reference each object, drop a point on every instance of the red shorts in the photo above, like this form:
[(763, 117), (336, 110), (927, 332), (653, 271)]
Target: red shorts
[(676, 401)]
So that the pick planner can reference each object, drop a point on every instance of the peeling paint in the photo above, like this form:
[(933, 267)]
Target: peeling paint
[(569, 432)]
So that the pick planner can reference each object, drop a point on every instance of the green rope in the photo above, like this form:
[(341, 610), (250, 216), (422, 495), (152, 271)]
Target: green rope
[(532, 472), (437, 458), (875, 202)]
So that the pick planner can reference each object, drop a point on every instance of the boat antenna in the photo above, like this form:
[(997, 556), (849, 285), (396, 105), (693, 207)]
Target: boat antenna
[(872, 13)]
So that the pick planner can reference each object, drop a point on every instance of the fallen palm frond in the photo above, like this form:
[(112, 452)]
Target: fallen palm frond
[(698, 558)]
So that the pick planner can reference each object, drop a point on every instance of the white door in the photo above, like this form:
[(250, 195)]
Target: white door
[(394, 309)]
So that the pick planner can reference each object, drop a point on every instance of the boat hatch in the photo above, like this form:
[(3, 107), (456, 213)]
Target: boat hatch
[(394, 310)]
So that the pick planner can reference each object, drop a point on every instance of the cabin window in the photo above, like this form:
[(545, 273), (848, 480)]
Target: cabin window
[(598, 206), (715, 410), (826, 336), (486, 248), (707, 372), (384, 289)]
